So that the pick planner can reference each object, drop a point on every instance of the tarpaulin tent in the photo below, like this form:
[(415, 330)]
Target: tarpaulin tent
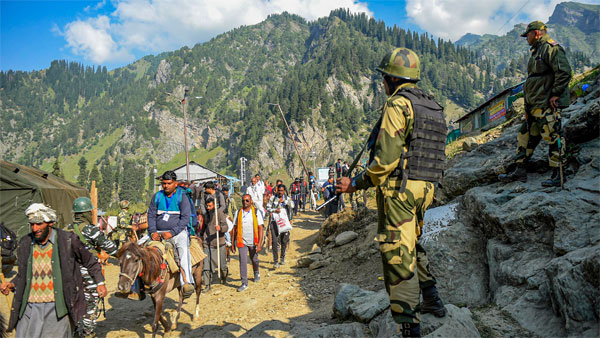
[(21, 185)]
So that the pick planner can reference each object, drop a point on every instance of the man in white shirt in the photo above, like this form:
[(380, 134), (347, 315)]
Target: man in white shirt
[(247, 237), (256, 191)]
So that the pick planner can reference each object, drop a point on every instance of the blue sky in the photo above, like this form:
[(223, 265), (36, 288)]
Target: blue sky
[(117, 32)]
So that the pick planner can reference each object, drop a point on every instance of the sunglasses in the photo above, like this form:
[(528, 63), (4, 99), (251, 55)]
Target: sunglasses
[(246, 200)]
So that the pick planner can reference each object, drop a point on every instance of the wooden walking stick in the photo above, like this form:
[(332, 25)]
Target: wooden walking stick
[(217, 231)]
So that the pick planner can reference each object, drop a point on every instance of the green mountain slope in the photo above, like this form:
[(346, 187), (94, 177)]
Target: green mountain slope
[(129, 120)]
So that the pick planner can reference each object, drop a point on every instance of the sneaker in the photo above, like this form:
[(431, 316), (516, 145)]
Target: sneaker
[(188, 290), (224, 277), (282, 262), (256, 277), (276, 265), (242, 288)]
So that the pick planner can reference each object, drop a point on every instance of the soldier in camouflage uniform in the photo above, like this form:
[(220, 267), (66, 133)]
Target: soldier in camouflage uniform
[(546, 92), (406, 160), (123, 226), (94, 241)]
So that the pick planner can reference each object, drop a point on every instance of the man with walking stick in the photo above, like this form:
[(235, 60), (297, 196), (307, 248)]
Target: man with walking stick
[(213, 235)]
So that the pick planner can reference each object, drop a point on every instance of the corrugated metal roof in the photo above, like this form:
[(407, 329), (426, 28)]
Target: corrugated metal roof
[(513, 90)]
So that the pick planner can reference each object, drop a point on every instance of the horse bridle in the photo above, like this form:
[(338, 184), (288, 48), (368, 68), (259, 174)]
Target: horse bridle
[(138, 271)]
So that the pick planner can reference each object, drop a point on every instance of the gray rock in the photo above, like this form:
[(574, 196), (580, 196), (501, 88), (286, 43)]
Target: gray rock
[(345, 238), (306, 261), (330, 239), (469, 144), (344, 293), (457, 260), (383, 326), (163, 72), (457, 323), (574, 288), (583, 125), (318, 264), (367, 305), (534, 314), (336, 330)]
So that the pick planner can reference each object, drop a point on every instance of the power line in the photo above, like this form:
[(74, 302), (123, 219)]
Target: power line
[(526, 2)]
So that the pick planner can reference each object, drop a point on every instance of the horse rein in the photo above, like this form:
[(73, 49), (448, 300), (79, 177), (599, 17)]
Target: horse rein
[(132, 279)]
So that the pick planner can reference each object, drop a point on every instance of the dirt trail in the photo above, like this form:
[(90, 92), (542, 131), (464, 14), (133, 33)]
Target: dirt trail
[(267, 306)]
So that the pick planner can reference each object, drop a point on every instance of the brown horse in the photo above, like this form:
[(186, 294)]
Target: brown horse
[(148, 264)]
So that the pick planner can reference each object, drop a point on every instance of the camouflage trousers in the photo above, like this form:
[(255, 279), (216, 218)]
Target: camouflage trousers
[(541, 124), (87, 325), (405, 264)]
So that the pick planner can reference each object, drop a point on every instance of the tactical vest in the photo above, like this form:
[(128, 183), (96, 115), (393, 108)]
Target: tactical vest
[(427, 142)]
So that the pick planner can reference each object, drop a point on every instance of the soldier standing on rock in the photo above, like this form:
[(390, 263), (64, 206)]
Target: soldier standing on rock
[(546, 92), (406, 160)]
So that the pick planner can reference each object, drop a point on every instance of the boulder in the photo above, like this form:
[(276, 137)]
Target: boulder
[(306, 261), (456, 255), (318, 264), (457, 323), (469, 144), (573, 285), (362, 305), (367, 305), (345, 238), (582, 124)]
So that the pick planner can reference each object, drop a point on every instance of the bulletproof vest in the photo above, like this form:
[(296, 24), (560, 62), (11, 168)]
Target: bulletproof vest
[(427, 143)]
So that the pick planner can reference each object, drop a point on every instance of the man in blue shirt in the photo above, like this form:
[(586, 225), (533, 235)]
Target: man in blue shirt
[(168, 217), (328, 192)]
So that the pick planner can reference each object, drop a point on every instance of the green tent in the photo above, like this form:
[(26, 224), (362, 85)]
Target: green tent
[(21, 185)]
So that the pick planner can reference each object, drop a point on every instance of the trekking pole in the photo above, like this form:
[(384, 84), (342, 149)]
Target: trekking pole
[(560, 165), (216, 225)]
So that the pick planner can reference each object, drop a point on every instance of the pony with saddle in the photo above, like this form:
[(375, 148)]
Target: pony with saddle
[(156, 265)]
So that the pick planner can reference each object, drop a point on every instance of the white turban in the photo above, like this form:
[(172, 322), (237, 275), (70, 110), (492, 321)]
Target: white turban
[(38, 213)]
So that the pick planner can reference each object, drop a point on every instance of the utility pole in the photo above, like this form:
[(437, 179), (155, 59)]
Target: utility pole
[(187, 156), (292, 137), (243, 161)]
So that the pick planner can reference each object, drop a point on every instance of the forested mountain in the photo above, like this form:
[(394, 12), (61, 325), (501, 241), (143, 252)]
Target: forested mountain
[(127, 121), (574, 25)]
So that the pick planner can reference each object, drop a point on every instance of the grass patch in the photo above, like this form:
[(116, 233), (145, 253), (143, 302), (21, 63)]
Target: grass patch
[(69, 165), (200, 156)]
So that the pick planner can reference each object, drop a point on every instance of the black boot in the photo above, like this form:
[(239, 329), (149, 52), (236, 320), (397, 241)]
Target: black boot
[(432, 303), (410, 330), (519, 174), (554, 180)]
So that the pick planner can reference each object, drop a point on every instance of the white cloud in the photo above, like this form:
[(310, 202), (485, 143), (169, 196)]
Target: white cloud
[(451, 19), (161, 25), (91, 38)]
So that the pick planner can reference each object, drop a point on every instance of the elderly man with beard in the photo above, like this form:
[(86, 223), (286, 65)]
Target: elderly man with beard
[(48, 287)]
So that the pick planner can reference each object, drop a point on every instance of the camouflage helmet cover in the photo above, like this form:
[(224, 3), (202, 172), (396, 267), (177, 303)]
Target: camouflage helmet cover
[(82, 204), (402, 63), (124, 204)]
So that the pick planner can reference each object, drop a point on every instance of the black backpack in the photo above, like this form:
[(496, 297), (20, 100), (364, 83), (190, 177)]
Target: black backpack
[(8, 241)]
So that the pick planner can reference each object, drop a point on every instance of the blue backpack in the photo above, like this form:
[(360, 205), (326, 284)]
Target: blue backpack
[(193, 223)]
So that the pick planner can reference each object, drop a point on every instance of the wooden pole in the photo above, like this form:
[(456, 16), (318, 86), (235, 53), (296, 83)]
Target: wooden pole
[(293, 140), (9, 296), (94, 198)]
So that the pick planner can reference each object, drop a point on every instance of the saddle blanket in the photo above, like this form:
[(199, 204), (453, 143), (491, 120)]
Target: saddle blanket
[(196, 252)]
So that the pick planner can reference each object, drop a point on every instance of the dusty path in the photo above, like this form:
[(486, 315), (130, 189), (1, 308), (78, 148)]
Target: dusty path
[(267, 306)]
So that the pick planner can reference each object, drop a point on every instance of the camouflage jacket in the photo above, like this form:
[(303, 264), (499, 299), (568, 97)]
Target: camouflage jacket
[(397, 119), (548, 75), (123, 222), (93, 238)]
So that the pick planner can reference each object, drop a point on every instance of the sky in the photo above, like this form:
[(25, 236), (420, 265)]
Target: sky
[(114, 33)]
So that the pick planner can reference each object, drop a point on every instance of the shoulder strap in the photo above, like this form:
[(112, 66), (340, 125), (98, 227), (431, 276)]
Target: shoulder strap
[(78, 232)]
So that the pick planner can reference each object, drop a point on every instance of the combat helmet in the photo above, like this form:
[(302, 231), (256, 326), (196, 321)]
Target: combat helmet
[(82, 204), (402, 63), (124, 204)]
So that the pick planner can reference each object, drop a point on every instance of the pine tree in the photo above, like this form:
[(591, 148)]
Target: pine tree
[(56, 171), (82, 179), (94, 176), (106, 187)]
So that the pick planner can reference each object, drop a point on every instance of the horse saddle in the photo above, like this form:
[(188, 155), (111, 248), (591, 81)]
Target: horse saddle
[(168, 252)]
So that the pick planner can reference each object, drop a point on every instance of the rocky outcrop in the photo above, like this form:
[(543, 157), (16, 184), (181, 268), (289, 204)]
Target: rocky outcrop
[(163, 73), (534, 252)]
